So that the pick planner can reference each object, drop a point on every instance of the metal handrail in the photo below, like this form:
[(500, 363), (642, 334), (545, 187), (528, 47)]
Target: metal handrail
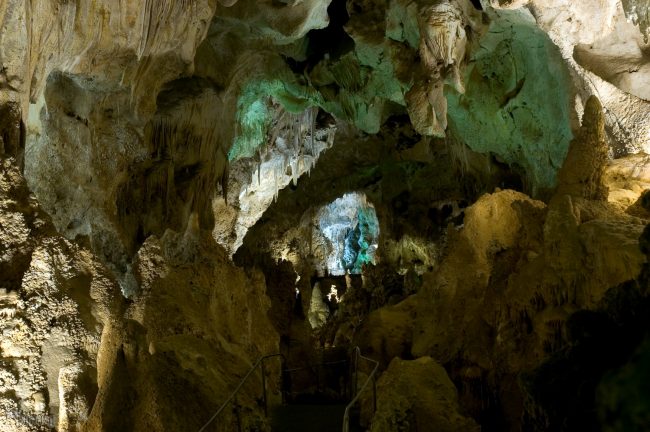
[(316, 369), (312, 366), (346, 415), (258, 363)]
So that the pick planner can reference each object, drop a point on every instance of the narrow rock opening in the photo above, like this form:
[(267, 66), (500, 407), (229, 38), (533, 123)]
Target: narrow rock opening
[(350, 229)]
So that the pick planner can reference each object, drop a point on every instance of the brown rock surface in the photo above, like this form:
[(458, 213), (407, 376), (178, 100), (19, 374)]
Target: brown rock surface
[(417, 395), (198, 325), (143, 142), (56, 301), (387, 332)]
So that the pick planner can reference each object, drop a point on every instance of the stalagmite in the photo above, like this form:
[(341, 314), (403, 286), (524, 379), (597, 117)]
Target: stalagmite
[(199, 197)]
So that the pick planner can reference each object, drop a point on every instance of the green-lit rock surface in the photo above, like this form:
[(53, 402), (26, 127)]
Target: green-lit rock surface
[(517, 99)]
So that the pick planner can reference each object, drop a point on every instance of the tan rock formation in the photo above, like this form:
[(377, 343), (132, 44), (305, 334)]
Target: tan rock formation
[(418, 395), (387, 333), (56, 300), (582, 174), (145, 145), (198, 325)]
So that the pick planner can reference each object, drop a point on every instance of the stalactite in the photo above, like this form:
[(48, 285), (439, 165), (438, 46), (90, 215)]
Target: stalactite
[(294, 171)]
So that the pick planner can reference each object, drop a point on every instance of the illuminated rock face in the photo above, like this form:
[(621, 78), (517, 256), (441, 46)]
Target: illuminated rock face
[(618, 57), (147, 146), (517, 100), (409, 388), (56, 301), (638, 11), (351, 230), (254, 182)]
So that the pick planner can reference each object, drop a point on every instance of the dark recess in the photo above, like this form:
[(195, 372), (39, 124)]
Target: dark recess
[(332, 40), (477, 4)]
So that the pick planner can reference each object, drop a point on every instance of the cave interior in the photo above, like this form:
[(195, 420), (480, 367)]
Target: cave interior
[(324, 215)]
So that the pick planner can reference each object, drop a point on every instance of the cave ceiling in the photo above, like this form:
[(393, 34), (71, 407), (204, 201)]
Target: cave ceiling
[(164, 161)]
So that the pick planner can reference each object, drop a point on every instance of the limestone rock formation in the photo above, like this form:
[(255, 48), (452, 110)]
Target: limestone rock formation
[(418, 395), (515, 296), (56, 301), (195, 326), (584, 167), (387, 333), (627, 181), (506, 80), (442, 51), (460, 188)]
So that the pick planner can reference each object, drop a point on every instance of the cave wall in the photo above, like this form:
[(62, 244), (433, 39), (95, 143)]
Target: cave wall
[(145, 143)]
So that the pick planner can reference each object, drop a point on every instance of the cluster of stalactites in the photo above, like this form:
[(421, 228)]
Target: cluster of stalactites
[(294, 144)]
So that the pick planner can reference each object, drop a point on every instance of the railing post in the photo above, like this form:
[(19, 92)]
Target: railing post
[(356, 372), (355, 399), (237, 415), (266, 410), (374, 395), (283, 386)]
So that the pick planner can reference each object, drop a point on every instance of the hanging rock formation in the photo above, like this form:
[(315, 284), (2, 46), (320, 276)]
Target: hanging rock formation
[(458, 187)]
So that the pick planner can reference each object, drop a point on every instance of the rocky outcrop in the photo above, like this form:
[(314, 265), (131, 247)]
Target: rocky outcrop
[(57, 300), (198, 325), (76, 357), (516, 83), (417, 395), (627, 179), (582, 174), (136, 46), (596, 23), (516, 272), (160, 138), (253, 183), (618, 57), (387, 333)]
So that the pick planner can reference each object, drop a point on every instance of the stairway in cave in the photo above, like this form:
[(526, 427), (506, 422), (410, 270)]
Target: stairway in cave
[(310, 417), (316, 397)]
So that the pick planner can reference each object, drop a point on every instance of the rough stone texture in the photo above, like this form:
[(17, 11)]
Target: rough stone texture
[(387, 332), (137, 46), (517, 270), (417, 395), (570, 24), (619, 58), (582, 174), (198, 324), (67, 338), (91, 73), (588, 383), (639, 12), (56, 299), (627, 178), (126, 124), (442, 51), (510, 279), (412, 214), (253, 183), (516, 84), (153, 133)]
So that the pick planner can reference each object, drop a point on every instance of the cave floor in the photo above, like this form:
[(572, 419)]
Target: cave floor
[(312, 418)]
